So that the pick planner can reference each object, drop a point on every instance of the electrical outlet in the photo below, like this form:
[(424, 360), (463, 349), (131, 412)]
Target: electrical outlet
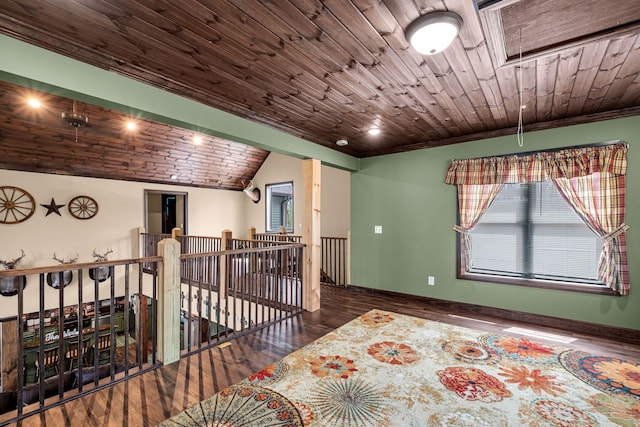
[(431, 281)]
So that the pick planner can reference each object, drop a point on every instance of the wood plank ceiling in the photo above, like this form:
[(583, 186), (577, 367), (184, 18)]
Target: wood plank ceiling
[(39, 140), (329, 70)]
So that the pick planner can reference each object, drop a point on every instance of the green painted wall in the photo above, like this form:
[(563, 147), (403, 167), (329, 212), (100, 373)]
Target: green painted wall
[(405, 194)]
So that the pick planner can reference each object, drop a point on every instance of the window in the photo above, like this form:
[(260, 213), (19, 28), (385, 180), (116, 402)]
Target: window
[(530, 231), (552, 219), (279, 207)]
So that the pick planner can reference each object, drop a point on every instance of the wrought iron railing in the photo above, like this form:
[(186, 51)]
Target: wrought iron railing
[(91, 331), (103, 327)]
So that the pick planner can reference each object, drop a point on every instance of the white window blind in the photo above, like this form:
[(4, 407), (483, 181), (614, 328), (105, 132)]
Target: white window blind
[(530, 231)]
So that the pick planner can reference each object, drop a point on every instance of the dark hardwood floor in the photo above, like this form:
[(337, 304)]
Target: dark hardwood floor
[(150, 398)]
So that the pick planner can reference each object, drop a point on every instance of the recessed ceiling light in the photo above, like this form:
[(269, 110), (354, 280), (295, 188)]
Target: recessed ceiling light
[(34, 103), (374, 131), (131, 125), (342, 142), (174, 177), (197, 139)]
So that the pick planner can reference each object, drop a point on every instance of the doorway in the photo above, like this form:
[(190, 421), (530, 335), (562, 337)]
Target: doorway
[(164, 211)]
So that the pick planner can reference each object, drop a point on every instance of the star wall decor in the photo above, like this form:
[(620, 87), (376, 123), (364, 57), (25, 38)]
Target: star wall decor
[(52, 207)]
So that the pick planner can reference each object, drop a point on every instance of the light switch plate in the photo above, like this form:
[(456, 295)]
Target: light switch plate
[(377, 229)]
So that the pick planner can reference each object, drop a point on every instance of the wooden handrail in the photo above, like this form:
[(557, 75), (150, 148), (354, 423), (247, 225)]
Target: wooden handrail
[(75, 266), (334, 266), (242, 251)]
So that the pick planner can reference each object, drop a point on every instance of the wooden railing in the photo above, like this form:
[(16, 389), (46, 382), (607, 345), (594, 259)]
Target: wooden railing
[(248, 284), (277, 237), (334, 251), (188, 244), (101, 329), (242, 291), (334, 255), (198, 244), (335, 261)]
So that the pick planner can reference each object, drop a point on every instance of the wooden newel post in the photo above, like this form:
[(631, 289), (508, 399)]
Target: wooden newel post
[(251, 233), (10, 355), (311, 177), (169, 301), (176, 232), (142, 329), (226, 244), (141, 241)]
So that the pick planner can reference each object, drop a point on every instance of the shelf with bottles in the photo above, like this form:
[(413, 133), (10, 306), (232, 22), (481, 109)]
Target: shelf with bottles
[(51, 318)]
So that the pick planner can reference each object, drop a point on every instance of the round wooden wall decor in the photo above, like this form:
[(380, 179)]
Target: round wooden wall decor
[(16, 205), (83, 207)]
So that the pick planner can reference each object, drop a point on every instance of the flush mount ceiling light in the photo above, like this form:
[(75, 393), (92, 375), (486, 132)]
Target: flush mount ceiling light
[(342, 142), (432, 33)]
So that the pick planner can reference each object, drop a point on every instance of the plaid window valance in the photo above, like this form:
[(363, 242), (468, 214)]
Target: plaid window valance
[(591, 179), (542, 166)]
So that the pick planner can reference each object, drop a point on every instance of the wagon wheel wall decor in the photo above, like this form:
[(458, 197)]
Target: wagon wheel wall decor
[(16, 205), (83, 207)]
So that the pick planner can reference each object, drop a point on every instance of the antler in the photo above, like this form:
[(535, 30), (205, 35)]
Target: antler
[(13, 263), (101, 257), (62, 261), (17, 260)]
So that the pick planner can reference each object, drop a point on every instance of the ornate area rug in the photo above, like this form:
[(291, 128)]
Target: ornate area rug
[(387, 369)]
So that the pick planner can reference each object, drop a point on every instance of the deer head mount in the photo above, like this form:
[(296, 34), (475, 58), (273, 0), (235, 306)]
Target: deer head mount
[(64, 277), (10, 265), (252, 192), (9, 285), (101, 257), (100, 273)]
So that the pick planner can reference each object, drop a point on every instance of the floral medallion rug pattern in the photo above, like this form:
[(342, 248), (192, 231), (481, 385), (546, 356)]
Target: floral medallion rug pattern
[(387, 369)]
